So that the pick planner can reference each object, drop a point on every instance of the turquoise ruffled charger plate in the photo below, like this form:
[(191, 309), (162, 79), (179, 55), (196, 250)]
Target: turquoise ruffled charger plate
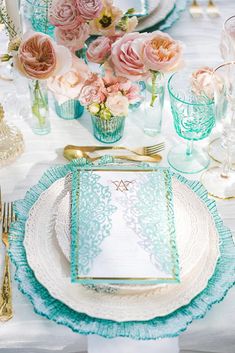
[(160, 327)]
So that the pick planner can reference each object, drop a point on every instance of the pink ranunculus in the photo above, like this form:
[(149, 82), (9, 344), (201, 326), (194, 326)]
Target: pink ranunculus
[(93, 91), (107, 21), (64, 14), (202, 82), (69, 85), (99, 50), (117, 104), (126, 57), (89, 9), (133, 94), (161, 52), (73, 39), (40, 58)]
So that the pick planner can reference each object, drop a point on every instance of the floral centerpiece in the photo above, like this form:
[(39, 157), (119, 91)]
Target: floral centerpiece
[(108, 99)]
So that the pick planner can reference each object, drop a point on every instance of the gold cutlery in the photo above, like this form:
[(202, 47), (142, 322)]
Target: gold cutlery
[(74, 154), (195, 9), (212, 10), (6, 309), (143, 151)]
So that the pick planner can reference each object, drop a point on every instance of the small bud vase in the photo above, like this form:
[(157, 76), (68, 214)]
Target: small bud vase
[(71, 109), (108, 130), (153, 105), (39, 107), (37, 11)]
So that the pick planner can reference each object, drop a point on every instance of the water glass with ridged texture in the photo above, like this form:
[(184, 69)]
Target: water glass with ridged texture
[(193, 120), (37, 11)]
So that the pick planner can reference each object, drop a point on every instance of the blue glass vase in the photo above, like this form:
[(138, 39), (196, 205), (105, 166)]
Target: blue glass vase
[(69, 110), (108, 130), (37, 12)]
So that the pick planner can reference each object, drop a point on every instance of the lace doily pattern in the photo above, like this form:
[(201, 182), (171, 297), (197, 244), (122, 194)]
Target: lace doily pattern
[(160, 327), (91, 221), (148, 211)]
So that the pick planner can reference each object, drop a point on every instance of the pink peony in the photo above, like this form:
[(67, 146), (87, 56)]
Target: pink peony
[(89, 9), (117, 104), (161, 52), (93, 91), (69, 85), (99, 50), (73, 39), (64, 14), (126, 57), (40, 58), (107, 21)]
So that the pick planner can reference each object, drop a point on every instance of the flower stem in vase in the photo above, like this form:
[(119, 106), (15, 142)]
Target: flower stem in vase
[(154, 100), (39, 98)]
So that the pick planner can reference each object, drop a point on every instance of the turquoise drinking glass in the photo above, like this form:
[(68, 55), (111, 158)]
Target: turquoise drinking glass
[(108, 130), (37, 12), (194, 119)]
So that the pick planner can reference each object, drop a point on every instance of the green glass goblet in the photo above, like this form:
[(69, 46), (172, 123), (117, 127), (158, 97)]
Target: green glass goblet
[(193, 115)]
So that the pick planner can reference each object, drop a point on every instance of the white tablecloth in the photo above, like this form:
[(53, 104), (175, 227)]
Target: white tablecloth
[(31, 333)]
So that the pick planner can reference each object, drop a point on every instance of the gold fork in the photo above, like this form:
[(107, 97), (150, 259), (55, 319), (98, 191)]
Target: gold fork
[(143, 151), (212, 10), (6, 309), (195, 9)]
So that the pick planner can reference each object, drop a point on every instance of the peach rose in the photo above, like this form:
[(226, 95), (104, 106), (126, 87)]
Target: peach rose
[(40, 58), (89, 9), (107, 21), (99, 50), (64, 14), (126, 57), (117, 104), (73, 39), (161, 52), (69, 85), (133, 94), (93, 91), (202, 82)]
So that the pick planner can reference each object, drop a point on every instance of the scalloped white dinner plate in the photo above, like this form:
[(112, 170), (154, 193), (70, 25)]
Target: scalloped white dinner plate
[(52, 269)]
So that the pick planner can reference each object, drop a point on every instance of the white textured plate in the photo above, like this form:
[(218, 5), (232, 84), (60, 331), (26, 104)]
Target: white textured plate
[(53, 270), (157, 15)]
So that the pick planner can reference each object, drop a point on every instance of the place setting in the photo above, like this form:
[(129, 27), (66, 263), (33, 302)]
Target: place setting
[(121, 240)]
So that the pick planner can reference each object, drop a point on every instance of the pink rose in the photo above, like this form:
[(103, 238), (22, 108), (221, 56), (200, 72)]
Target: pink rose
[(64, 14), (161, 52), (89, 9), (93, 91), (107, 21), (202, 83), (69, 85), (40, 58), (73, 39), (117, 104), (99, 50), (126, 57), (133, 94)]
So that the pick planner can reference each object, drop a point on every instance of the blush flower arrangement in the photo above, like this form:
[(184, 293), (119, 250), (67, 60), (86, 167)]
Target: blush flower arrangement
[(107, 99), (77, 20)]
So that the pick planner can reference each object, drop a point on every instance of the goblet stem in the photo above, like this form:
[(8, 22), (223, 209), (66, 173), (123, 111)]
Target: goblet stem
[(189, 149), (227, 164)]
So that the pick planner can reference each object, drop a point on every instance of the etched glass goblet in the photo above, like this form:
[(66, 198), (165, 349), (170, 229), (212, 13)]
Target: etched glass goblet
[(194, 119), (220, 181)]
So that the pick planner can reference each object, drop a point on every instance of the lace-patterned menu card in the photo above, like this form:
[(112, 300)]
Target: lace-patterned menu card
[(123, 227)]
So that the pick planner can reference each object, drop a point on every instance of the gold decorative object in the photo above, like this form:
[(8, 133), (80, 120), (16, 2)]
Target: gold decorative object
[(11, 141)]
